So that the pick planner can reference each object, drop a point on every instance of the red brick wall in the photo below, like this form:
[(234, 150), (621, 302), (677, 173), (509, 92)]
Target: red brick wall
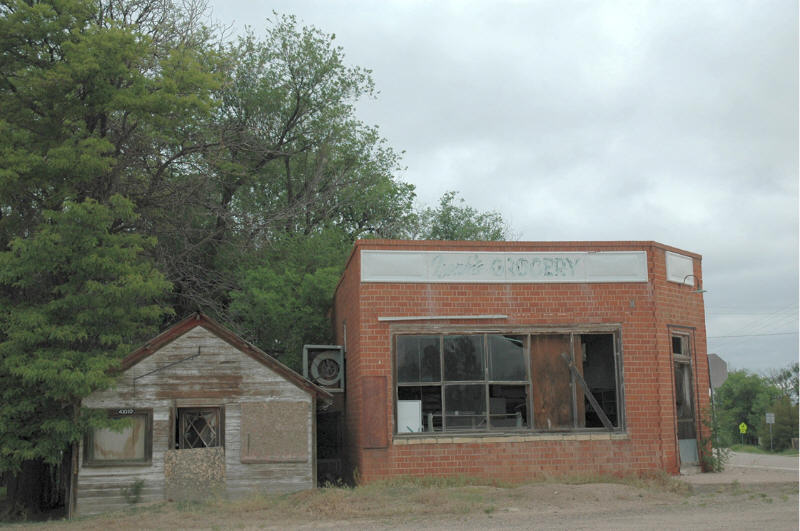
[(681, 310), (347, 311), (644, 311)]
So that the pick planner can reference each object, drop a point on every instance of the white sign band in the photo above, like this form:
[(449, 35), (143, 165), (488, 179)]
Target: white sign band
[(502, 267)]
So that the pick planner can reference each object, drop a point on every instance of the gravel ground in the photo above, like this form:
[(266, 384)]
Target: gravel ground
[(754, 492)]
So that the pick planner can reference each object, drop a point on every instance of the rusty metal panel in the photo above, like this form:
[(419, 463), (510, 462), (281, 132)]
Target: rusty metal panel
[(373, 399), (275, 431)]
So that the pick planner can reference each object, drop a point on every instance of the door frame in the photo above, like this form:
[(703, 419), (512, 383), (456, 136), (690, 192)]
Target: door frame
[(687, 335)]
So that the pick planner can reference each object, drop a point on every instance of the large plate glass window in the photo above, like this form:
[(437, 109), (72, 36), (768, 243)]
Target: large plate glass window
[(508, 382), (419, 379), (465, 382), (500, 382)]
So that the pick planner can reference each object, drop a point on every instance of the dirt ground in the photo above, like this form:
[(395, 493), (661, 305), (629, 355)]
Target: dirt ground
[(755, 492)]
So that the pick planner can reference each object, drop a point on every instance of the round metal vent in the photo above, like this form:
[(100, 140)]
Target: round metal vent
[(326, 368)]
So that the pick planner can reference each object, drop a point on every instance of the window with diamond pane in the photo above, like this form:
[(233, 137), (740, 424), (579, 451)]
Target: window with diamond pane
[(198, 428)]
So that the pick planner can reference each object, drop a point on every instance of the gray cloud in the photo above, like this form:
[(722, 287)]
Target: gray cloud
[(669, 121)]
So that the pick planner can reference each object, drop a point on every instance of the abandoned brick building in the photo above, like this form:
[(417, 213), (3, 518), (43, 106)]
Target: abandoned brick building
[(505, 360), (516, 359)]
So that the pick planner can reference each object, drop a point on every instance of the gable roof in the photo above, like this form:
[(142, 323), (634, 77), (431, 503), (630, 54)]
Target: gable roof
[(200, 319)]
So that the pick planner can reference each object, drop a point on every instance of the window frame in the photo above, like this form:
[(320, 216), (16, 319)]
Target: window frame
[(89, 459), (614, 330), (175, 415)]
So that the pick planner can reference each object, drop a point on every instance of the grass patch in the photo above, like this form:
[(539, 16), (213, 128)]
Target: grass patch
[(388, 498), (401, 501), (660, 481), (411, 497), (749, 449)]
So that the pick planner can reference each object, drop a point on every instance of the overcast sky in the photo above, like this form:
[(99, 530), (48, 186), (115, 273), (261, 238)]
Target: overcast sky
[(674, 121)]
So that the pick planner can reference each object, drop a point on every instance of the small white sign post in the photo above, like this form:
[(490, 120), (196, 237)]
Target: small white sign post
[(770, 421)]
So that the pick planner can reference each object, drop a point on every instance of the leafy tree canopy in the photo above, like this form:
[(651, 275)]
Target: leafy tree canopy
[(284, 302), (453, 219), (743, 397), (787, 380), (96, 98), (76, 295), (141, 151)]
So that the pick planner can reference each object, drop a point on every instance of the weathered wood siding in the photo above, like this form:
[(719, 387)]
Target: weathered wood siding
[(222, 376)]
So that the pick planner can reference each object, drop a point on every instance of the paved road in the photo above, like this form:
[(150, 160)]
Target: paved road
[(767, 462), (747, 468)]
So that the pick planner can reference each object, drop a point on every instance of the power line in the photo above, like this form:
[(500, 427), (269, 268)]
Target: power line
[(754, 335), (773, 320)]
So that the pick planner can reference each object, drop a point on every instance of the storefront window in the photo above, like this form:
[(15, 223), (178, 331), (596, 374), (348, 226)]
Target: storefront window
[(506, 382)]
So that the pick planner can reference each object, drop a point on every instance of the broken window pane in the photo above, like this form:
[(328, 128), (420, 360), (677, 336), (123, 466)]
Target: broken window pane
[(418, 359), (465, 407), (506, 358), (431, 398), (684, 404), (508, 406), (490, 382), (680, 345), (198, 428), (463, 358), (599, 373)]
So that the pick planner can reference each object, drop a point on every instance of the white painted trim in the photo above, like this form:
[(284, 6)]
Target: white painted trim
[(438, 317), (489, 438)]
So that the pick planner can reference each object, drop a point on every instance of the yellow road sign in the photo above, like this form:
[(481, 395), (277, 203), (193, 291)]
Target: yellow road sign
[(742, 428)]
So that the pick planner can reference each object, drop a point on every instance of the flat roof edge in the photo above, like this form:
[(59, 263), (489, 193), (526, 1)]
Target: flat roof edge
[(422, 245)]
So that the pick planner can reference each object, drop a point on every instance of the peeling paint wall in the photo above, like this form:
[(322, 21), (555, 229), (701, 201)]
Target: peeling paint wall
[(220, 376)]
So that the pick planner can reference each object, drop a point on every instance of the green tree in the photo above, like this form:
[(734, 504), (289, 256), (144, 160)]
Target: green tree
[(785, 427), (290, 157), (284, 302), (96, 98), (76, 295), (787, 380), (455, 220), (744, 397)]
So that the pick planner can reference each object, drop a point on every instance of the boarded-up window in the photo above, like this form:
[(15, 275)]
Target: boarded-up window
[(275, 431), (128, 443), (552, 390)]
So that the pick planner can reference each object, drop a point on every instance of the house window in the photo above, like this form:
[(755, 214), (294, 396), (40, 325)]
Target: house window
[(128, 443), (198, 427), (506, 382)]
